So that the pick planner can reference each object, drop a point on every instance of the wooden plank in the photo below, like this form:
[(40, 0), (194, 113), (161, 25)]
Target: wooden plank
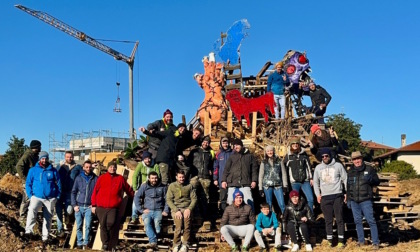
[(229, 121), (206, 122), (254, 125), (73, 236)]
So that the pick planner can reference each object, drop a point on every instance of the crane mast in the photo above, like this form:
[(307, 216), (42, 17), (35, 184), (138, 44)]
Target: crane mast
[(56, 23)]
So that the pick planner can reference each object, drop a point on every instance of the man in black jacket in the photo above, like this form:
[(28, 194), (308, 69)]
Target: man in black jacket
[(241, 171), (320, 99), (163, 124), (360, 179)]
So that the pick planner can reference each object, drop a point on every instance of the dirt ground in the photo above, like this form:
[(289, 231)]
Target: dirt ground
[(11, 232)]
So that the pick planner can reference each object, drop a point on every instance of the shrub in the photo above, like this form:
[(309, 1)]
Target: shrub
[(402, 168)]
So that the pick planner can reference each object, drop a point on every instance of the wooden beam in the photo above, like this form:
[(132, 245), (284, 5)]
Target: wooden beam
[(206, 123), (254, 125), (229, 121)]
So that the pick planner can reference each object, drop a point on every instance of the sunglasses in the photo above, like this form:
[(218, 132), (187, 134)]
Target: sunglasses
[(325, 156)]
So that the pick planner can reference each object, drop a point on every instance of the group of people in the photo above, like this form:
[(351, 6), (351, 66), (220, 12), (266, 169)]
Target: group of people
[(166, 183)]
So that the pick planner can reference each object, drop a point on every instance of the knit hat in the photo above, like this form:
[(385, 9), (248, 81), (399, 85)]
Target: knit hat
[(238, 142), (269, 147), (293, 194), (111, 163), (43, 154), (35, 144), (181, 125), (146, 154), (324, 151), (314, 128), (207, 139), (237, 193), (167, 112)]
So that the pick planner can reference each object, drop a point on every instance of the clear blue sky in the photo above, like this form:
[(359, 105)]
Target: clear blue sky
[(365, 53)]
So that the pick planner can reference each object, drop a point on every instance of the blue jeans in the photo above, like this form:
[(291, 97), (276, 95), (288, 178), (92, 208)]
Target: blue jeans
[(364, 208), (134, 214), (278, 192), (86, 214), (62, 204), (280, 101), (152, 222), (307, 190)]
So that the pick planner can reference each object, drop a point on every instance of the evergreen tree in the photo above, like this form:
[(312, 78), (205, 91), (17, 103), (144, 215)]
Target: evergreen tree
[(16, 149), (347, 130)]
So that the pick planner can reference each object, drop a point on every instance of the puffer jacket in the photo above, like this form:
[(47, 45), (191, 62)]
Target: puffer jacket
[(151, 197), (201, 162), (181, 197), (237, 216), (82, 190), (298, 166), (294, 213), (241, 169), (219, 164), (272, 175), (359, 183), (43, 183)]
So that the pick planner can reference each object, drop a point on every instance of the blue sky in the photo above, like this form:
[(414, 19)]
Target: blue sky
[(365, 53)]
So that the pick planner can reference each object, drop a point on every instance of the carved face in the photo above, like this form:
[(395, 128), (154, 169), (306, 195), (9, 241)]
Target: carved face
[(296, 66)]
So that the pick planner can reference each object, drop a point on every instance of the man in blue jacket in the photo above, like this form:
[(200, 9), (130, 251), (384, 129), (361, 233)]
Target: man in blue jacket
[(276, 83), (150, 201), (218, 168), (81, 201), (43, 188)]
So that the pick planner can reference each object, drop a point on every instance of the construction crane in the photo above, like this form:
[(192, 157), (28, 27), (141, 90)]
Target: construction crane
[(98, 45)]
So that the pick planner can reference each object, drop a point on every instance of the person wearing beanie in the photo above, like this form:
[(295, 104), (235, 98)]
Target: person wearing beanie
[(218, 168), (140, 176), (163, 124), (277, 83), (272, 179), (241, 171), (320, 99), (106, 199), (330, 178), (238, 221), (322, 139), (297, 217), (299, 170), (168, 150), (43, 187), (68, 172), (201, 160), (361, 178), (28, 160)]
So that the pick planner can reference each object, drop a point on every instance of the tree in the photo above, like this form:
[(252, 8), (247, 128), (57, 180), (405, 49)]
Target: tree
[(16, 149), (402, 168), (347, 130)]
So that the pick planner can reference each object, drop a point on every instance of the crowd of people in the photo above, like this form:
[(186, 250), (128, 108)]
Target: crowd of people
[(167, 183)]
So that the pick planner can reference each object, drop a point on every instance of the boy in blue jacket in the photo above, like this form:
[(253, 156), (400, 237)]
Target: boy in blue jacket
[(266, 225), (43, 188)]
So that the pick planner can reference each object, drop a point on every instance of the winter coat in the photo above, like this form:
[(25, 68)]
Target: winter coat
[(294, 213), (158, 125), (237, 216), (266, 221), (359, 183), (219, 164), (319, 96), (82, 190), (67, 180), (151, 197), (241, 169), (272, 175), (43, 183), (298, 166), (324, 141), (329, 179), (181, 197), (141, 173), (109, 191), (167, 150), (201, 162), (28, 160)]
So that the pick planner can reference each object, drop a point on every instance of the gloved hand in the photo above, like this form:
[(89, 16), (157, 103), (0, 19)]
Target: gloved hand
[(262, 193)]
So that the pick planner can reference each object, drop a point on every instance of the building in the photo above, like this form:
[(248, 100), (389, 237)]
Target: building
[(376, 149)]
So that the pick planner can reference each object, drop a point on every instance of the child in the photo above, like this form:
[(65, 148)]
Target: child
[(297, 215), (267, 224)]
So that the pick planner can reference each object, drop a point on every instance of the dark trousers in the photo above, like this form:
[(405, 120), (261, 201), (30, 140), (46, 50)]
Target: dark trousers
[(223, 198), (107, 218), (24, 205), (329, 208), (293, 228)]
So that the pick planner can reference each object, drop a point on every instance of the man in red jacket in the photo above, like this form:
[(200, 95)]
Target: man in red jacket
[(106, 199)]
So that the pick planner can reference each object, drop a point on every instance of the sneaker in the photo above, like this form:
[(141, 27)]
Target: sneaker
[(330, 244), (184, 248), (134, 221), (375, 246), (245, 248), (235, 248), (340, 245), (308, 247), (295, 248)]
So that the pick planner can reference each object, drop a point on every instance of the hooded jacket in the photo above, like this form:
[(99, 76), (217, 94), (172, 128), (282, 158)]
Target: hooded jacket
[(360, 181), (298, 166), (151, 197), (109, 191), (220, 162), (43, 183), (241, 169), (272, 175), (329, 179), (82, 190)]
